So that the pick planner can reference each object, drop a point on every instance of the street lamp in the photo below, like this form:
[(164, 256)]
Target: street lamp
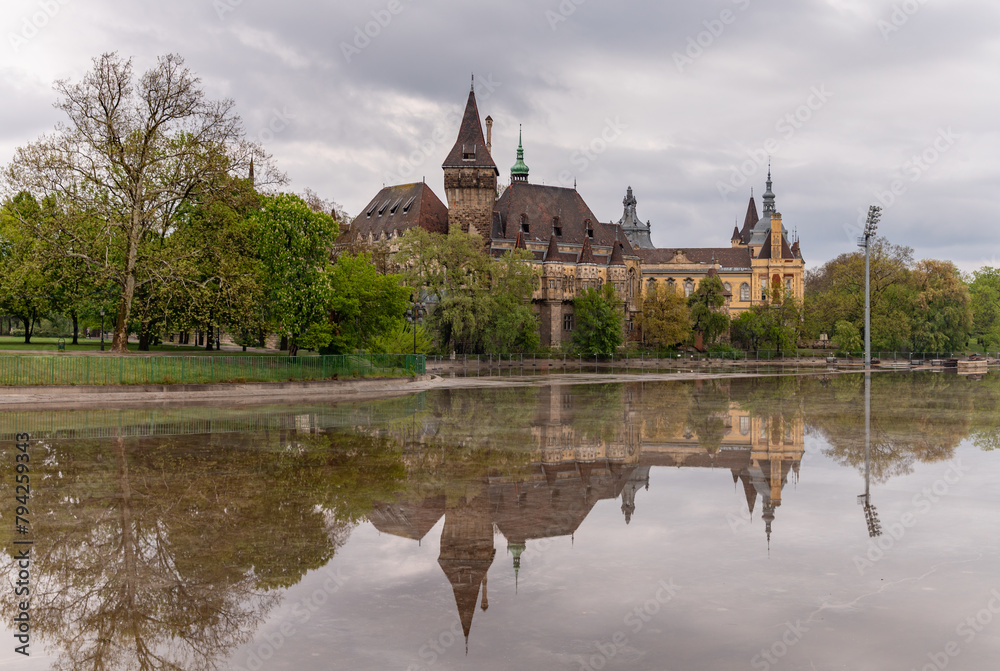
[(874, 214), (102, 329)]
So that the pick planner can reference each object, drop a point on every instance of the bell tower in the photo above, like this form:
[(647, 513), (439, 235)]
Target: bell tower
[(470, 176)]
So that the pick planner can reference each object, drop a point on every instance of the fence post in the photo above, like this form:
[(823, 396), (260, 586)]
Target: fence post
[(121, 366), (183, 359)]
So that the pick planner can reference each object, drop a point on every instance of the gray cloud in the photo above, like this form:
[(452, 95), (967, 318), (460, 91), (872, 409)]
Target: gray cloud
[(564, 68)]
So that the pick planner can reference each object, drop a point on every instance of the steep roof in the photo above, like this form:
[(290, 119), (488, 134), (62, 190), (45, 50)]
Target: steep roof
[(396, 209), (541, 205), (552, 253), (725, 257), (470, 147), (749, 221), (765, 250)]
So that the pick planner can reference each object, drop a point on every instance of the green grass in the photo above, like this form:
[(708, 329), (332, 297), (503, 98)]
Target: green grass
[(20, 370), (39, 343)]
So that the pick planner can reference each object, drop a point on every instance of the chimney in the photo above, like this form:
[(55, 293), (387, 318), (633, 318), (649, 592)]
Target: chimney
[(489, 135)]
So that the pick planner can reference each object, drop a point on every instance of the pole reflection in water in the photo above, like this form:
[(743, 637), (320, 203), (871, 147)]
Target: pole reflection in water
[(871, 513)]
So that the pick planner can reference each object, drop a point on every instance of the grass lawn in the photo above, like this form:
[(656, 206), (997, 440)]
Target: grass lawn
[(38, 343)]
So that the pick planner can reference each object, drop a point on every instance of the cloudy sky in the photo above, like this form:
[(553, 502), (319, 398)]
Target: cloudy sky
[(891, 102)]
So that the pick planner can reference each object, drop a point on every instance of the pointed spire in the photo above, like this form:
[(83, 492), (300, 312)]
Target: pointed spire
[(519, 171), (519, 241), (251, 172), (617, 258), (472, 88), (552, 253), (587, 253), (469, 150), (769, 194)]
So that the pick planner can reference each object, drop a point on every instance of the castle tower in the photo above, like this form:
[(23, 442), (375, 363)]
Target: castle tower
[(636, 231), (519, 171), (470, 176)]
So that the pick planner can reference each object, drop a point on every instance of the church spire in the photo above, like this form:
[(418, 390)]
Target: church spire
[(769, 194), (519, 171)]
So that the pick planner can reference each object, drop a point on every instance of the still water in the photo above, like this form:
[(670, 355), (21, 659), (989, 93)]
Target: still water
[(715, 524)]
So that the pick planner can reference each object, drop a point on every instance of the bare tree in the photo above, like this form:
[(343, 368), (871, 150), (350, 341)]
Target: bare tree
[(131, 153)]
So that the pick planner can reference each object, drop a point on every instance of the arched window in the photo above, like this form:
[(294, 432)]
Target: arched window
[(788, 285), (671, 285), (745, 292), (651, 287), (728, 287), (633, 283), (688, 287)]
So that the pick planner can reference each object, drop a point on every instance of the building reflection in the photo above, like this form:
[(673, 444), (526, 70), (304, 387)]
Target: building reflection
[(577, 461)]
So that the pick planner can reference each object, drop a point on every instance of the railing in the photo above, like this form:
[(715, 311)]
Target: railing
[(136, 369), (474, 362)]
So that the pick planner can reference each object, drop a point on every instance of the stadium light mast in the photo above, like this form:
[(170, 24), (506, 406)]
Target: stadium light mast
[(874, 214)]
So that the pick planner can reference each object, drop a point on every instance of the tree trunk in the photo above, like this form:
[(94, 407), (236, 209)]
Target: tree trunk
[(76, 327), (261, 338), (28, 329), (208, 339), (120, 341), (144, 337), (283, 345)]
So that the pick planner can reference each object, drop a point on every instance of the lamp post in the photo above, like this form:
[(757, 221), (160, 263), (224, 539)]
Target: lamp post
[(102, 329), (874, 214)]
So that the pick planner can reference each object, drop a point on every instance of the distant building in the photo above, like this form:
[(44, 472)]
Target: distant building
[(572, 249)]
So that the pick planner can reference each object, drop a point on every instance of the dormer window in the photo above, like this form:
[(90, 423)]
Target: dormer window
[(406, 208), (382, 209), (395, 206), (524, 223), (370, 212), (556, 226), (468, 152), (590, 228)]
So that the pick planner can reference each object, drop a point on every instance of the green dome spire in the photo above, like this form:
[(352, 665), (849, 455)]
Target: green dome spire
[(519, 171)]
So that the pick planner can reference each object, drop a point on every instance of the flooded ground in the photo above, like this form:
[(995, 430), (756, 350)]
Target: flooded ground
[(714, 524)]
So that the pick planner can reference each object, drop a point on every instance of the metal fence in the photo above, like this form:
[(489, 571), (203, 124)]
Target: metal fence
[(103, 370)]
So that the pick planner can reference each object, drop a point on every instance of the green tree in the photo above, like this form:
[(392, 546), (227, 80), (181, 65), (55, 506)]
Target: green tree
[(984, 292), (294, 244), (475, 303), (663, 318), (26, 280), (133, 151), (846, 336), (598, 314), (365, 305), (747, 330), (943, 320), (705, 305)]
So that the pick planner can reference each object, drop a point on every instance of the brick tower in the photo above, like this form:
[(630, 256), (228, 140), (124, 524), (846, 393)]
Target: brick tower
[(470, 177)]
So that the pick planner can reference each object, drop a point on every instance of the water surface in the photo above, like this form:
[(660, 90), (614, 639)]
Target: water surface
[(736, 523)]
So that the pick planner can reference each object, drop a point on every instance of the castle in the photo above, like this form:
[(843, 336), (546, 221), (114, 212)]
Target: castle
[(572, 248)]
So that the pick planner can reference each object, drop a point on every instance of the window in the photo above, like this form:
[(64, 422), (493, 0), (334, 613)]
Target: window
[(688, 287), (382, 209), (370, 212), (468, 152), (590, 228), (745, 292), (567, 322), (745, 425), (406, 208), (552, 284), (728, 287), (395, 206), (788, 285), (524, 223), (556, 226), (651, 287), (671, 285)]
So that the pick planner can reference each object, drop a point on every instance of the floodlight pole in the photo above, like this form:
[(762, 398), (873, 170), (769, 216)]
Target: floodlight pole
[(874, 214)]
